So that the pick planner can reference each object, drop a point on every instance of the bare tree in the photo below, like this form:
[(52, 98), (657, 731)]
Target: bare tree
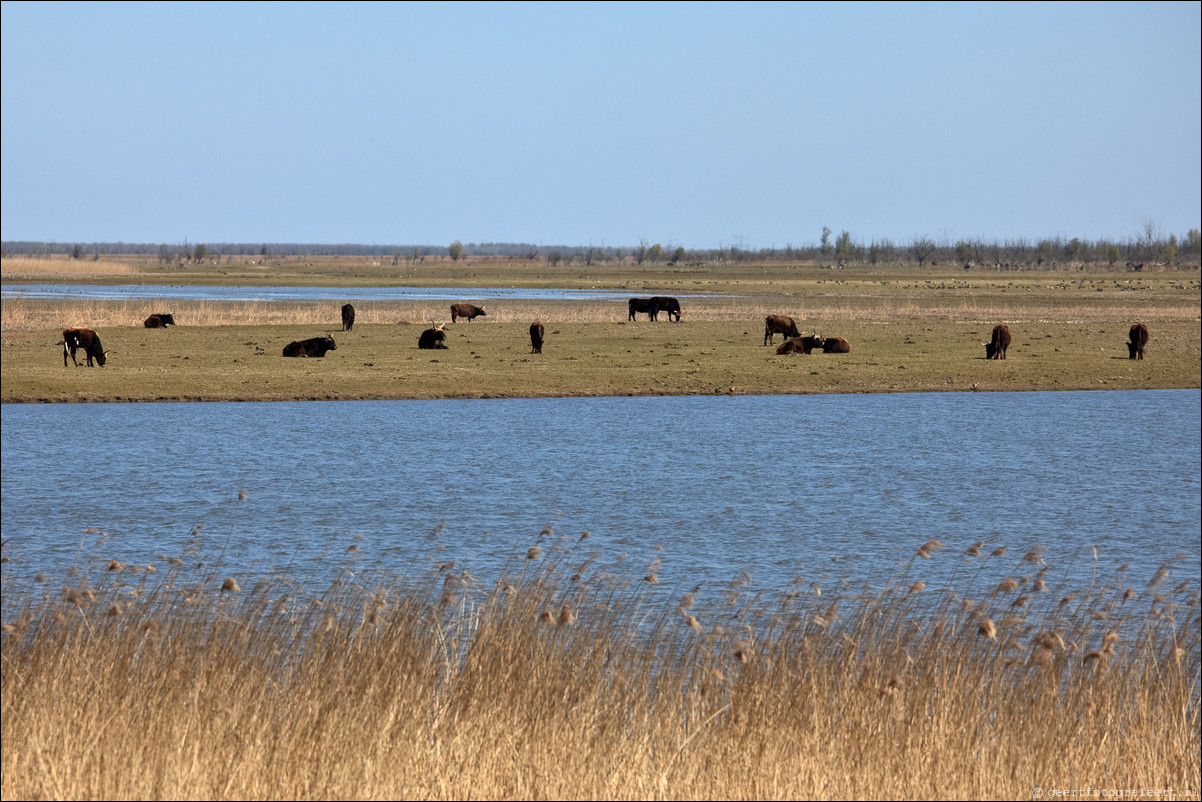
[(922, 247)]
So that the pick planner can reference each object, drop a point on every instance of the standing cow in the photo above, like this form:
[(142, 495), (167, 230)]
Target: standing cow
[(1139, 340), (646, 306), (313, 347), (536, 337), (348, 317), (466, 310), (86, 339), (1001, 341), (801, 345), (666, 304), (779, 324)]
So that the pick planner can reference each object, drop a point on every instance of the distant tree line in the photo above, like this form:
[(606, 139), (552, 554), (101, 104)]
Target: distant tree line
[(1148, 247)]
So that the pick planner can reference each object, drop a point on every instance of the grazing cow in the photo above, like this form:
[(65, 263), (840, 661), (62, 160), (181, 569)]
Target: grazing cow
[(314, 346), (801, 345), (87, 340), (536, 337), (836, 345), (1139, 340), (645, 305), (1001, 341), (432, 338), (666, 304), (779, 324), (466, 310), (348, 317), (159, 320)]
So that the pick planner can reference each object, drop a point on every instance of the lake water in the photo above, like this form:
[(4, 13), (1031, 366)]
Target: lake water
[(819, 488), (134, 292)]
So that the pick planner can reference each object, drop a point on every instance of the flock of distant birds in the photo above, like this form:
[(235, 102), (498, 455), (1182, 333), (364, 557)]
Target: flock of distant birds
[(435, 337)]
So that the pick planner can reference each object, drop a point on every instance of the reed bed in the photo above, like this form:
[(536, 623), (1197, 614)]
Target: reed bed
[(564, 680)]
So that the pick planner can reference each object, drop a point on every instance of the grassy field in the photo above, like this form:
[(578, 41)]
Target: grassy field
[(562, 681), (911, 331)]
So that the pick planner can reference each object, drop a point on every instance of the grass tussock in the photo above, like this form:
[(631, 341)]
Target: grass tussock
[(563, 681)]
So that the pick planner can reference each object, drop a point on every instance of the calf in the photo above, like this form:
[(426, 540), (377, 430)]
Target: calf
[(1001, 341), (348, 317), (159, 320), (779, 324), (536, 337), (314, 346), (836, 345), (801, 345), (1139, 340), (86, 339), (432, 338), (466, 310)]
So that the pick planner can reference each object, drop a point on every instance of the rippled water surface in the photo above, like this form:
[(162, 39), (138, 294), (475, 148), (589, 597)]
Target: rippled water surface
[(817, 487)]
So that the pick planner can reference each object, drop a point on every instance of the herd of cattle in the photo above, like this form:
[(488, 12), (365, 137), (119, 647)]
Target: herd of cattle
[(434, 337)]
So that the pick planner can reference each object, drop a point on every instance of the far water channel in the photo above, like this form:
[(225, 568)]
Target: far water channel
[(776, 489)]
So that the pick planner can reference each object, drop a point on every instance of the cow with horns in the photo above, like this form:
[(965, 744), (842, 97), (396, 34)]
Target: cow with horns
[(88, 340)]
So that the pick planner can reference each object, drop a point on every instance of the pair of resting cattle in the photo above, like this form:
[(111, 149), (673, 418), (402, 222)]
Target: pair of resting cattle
[(797, 344), (651, 307)]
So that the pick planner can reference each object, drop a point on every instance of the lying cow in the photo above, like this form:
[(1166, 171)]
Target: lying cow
[(348, 317), (86, 339), (432, 338), (779, 324), (1139, 341), (466, 310), (536, 337), (666, 304), (1001, 341), (836, 345), (646, 306), (314, 346), (801, 345), (159, 320)]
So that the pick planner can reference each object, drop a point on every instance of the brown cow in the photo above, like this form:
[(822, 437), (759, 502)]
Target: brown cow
[(466, 310), (779, 324), (1001, 341), (159, 320), (348, 317), (314, 346), (836, 345), (86, 339), (801, 345), (536, 337), (432, 338), (1139, 341)]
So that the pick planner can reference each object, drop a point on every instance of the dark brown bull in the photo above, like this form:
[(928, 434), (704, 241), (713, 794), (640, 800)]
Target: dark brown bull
[(801, 345), (536, 337), (86, 339), (159, 320), (1001, 341), (348, 317), (432, 338), (779, 324), (667, 304), (836, 345), (313, 347), (466, 310), (1139, 341), (645, 306)]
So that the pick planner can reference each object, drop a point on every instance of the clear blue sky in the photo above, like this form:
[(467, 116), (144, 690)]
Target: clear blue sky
[(694, 124)]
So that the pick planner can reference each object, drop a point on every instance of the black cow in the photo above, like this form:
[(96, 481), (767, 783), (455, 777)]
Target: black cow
[(1139, 341), (801, 345), (536, 337), (86, 339), (348, 317), (432, 338), (836, 345), (779, 324), (314, 346), (1001, 341), (159, 320), (644, 305), (466, 310), (666, 304)]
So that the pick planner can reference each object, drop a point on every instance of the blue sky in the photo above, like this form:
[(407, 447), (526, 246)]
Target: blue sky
[(694, 124)]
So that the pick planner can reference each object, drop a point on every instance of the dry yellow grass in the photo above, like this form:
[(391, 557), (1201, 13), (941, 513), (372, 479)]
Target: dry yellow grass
[(560, 681)]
